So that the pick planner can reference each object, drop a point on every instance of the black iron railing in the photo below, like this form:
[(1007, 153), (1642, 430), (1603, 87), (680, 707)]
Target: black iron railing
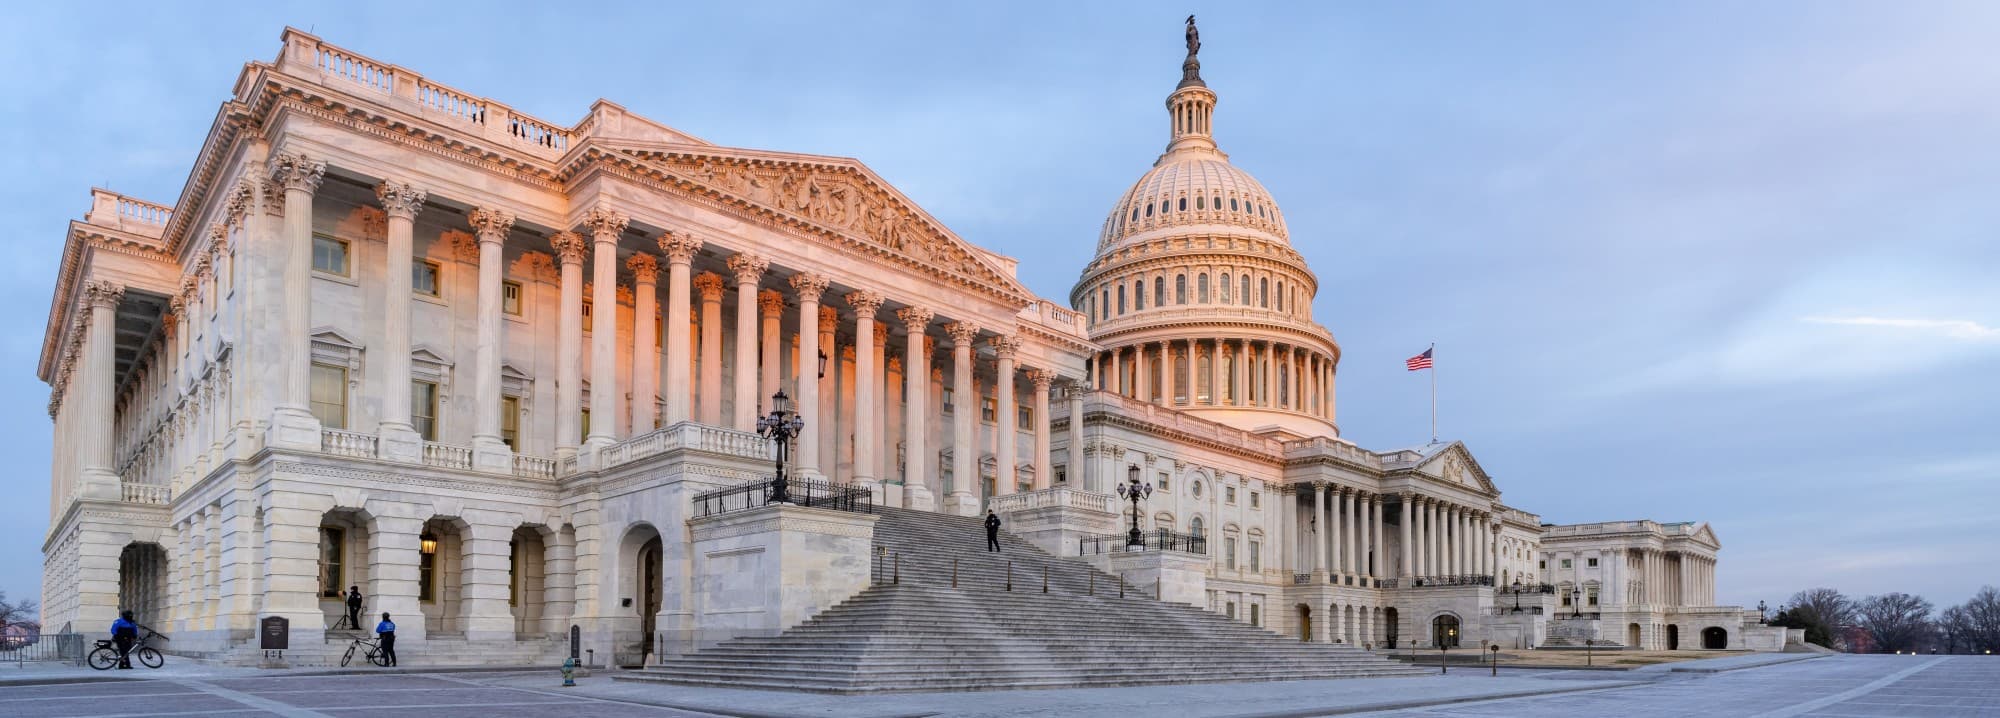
[(47, 647), (816, 493), (1154, 540), (1430, 581), (1508, 610), (1528, 588)]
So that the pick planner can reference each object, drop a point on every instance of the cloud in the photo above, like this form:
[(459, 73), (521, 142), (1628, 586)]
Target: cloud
[(1955, 328)]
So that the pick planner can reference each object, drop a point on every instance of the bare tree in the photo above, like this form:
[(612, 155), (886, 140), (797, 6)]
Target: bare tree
[(1981, 614), (19, 613), (1822, 611), (1955, 630), (1895, 621)]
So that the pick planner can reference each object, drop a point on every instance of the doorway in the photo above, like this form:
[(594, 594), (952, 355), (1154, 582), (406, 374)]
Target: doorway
[(649, 588), (1444, 631), (1673, 637), (1714, 638), (1632, 636), (1305, 623), (1390, 627)]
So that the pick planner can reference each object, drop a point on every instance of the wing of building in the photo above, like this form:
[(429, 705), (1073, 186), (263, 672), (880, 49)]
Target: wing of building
[(514, 382)]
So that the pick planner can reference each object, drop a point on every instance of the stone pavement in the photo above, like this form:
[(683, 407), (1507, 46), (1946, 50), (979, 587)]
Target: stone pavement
[(1824, 686)]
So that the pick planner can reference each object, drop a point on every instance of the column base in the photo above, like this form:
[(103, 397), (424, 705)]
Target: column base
[(961, 503), (490, 454), (919, 497), (892, 495), (101, 484), (397, 441), (874, 487), (293, 428)]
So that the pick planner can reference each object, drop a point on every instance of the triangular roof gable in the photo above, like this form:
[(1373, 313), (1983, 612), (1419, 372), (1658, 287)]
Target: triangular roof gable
[(834, 195), (1454, 456), (1706, 534)]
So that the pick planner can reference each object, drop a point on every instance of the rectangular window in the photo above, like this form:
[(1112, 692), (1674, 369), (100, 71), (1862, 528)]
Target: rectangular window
[(329, 395), (947, 401), (1590, 596), (1230, 609), (1591, 562), (1542, 564), (1229, 494), (1165, 485), (989, 410), (1256, 499), (1565, 563), (424, 408), (1024, 417), (427, 568), (1565, 595), (424, 278), (586, 314), (1256, 561), (329, 255), (510, 298), (510, 421), (331, 541), (1062, 474), (1229, 553), (1255, 618), (583, 420)]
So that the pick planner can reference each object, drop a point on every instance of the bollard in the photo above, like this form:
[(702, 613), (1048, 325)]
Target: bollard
[(1157, 596), (569, 672), (1121, 585), (1495, 649)]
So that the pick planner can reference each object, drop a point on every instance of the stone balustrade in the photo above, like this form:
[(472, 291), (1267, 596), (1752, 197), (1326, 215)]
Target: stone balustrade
[(347, 443), (1060, 496), (534, 467), (134, 493), (367, 446), (686, 435), (447, 455)]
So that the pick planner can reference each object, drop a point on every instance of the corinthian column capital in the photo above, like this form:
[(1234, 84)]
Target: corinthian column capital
[(100, 294), (709, 286), (1042, 379), (1005, 346), (748, 268), (962, 333), (400, 199), (605, 224), (770, 301), (864, 302), (915, 318), (491, 225), (569, 247), (679, 246), (292, 170), (645, 269), (809, 286)]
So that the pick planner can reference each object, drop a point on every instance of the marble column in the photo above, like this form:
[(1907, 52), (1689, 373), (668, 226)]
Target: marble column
[(1193, 385), (1375, 545), (292, 423), (867, 440), (1215, 383), (680, 248), (709, 287), (605, 227), (92, 385), (807, 287), (917, 493), (489, 451), (1336, 527), (1320, 529), (644, 410), (1043, 380), (771, 307), (1078, 470), (963, 499), (396, 438), (1006, 433), (1116, 376), (569, 248), (1350, 529), (1165, 395), (1142, 374), (1405, 558), (748, 269)]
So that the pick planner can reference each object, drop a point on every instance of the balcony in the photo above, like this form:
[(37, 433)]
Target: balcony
[(445, 456)]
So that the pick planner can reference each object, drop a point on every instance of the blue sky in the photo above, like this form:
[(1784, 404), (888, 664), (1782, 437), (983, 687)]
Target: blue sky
[(1722, 261)]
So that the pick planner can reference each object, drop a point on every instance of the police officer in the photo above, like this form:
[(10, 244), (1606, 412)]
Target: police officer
[(386, 630), (992, 531), (354, 607), (124, 633)]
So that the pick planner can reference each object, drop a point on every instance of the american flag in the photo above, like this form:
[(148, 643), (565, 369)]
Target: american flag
[(1420, 361)]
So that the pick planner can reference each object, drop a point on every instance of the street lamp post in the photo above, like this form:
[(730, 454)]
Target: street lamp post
[(1576, 602), (1517, 595), (1135, 491), (1760, 612), (780, 426)]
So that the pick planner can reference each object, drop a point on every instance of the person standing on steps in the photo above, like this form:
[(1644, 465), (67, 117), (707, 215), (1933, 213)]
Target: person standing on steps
[(992, 531), (354, 607), (386, 630)]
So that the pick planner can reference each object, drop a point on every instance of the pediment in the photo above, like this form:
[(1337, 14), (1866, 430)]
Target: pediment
[(835, 196), (1705, 534), (1454, 464)]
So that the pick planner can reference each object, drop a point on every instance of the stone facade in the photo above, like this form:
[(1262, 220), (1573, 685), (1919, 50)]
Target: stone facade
[(480, 365)]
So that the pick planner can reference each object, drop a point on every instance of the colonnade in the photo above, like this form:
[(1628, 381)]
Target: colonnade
[(1218, 372), (1340, 536)]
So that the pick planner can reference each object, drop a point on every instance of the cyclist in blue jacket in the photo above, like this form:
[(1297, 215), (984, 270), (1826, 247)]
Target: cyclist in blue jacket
[(124, 633), (386, 630)]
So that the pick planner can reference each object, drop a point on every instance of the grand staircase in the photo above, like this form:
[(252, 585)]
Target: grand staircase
[(913, 631)]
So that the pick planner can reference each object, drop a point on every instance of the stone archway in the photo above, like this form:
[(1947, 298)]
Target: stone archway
[(640, 589), (1445, 632), (142, 583), (1391, 631), (1673, 637), (1715, 638)]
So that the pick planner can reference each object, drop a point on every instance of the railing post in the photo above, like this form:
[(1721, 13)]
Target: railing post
[(954, 573), (1045, 579), (899, 568), (1093, 582), (1010, 575)]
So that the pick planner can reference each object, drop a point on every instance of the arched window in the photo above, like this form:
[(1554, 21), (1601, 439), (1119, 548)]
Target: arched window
[(1183, 204), (1201, 374), (1180, 289), (1247, 298), (1166, 205), (1121, 299), (1198, 203), (1444, 631), (1281, 295), (1149, 209), (1105, 305), (1201, 288), (1264, 292), (1194, 526), (1225, 289), (1159, 291), (1232, 204), (1138, 294), (1135, 214)]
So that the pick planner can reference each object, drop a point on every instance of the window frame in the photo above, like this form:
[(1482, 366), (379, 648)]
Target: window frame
[(520, 299), (346, 256), (437, 278), (313, 404)]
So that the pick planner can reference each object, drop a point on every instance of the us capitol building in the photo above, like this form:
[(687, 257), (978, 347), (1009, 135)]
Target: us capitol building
[(501, 374)]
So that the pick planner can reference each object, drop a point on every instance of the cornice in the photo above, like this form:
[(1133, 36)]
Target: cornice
[(1195, 328), (1100, 415)]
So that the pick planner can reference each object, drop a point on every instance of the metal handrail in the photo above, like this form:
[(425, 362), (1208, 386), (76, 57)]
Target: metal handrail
[(1155, 540), (816, 493)]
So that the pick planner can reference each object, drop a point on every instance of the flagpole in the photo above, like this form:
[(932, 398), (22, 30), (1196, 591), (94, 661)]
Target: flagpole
[(1434, 393)]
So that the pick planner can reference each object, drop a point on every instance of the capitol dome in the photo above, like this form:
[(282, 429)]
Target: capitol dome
[(1196, 294)]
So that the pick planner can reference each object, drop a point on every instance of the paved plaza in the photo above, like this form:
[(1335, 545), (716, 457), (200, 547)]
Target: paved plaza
[(1826, 686)]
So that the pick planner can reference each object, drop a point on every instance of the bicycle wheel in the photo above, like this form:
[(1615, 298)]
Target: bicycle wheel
[(103, 658), (348, 656), (151, 658), (378, 658)]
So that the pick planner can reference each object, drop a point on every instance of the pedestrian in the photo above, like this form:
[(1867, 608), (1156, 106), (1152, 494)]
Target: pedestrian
[(123, 633), (386, 630), (354, 607), (992, 531)]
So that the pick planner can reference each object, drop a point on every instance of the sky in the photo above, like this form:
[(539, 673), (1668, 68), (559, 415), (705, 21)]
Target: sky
[(1716, 261)]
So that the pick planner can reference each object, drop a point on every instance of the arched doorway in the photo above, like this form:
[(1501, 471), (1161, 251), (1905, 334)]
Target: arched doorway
[(1632, 636), (640, 569), (142, 583), (1444, 631), (649, 582), (1714, 638), (1389, 626), (1305, 623), (1673, 637)]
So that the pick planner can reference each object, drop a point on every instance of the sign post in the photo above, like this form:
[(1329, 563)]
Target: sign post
[(274, 635)]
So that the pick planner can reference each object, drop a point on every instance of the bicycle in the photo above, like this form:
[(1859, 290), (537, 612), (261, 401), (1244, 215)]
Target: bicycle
[(374, 654), (106, 654)]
